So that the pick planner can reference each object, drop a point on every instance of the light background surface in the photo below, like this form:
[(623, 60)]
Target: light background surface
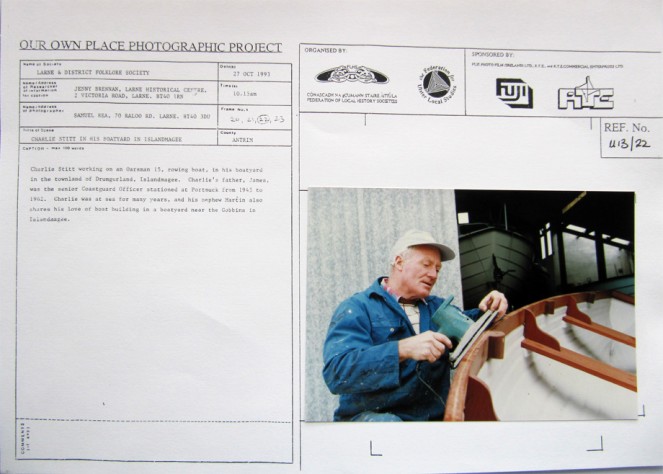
[(350, 235), (396, 152)]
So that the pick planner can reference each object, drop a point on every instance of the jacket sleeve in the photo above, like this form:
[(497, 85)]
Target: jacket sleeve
[(353, 362), (474, 313)]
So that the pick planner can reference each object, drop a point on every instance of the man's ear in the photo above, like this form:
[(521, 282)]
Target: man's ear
[(398, 262)]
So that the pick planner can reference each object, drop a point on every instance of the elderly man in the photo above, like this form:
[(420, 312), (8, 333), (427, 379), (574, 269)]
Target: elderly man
[(383, 354)]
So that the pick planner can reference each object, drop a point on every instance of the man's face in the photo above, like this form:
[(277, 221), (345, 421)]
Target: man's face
[(420, 267)]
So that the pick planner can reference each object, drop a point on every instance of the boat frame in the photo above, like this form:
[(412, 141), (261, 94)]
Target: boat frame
[(469, 397)]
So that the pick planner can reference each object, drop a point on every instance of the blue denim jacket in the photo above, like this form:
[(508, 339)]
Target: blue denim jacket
[(361, 359)]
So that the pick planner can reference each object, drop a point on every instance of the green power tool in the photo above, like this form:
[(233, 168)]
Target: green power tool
[(459, 328)]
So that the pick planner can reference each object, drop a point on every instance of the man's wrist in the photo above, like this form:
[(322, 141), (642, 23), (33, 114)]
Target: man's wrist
[(403, 351)]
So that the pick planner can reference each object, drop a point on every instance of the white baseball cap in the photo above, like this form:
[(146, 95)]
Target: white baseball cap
[(415, 237)]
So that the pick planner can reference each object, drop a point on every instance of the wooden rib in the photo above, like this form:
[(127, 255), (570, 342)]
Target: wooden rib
[(533, 333), (479, 404), (489, 345), (584, 363), (516, 318), (538, 341), (618, 295), (601, 330), (573, 311), (578, 318)]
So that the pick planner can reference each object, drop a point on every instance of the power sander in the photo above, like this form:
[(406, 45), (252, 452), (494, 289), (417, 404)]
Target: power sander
[(459, 328)]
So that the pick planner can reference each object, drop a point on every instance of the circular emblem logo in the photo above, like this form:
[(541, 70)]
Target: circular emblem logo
[(436, 84)]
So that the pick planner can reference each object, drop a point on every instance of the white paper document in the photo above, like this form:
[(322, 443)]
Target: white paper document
[(190, 189)]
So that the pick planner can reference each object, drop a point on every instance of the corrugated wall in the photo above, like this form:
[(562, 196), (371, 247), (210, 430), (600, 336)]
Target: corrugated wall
[(350, 234)]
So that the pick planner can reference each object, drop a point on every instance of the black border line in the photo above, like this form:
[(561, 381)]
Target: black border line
[(464, 114), (292, 282), (91, 420), (535, 50), (465, 51), (18, 187), (485, 115), (299, 244), (18, 420), (153, 461)]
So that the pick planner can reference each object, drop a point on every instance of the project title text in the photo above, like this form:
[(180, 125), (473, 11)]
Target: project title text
[(151, 46)]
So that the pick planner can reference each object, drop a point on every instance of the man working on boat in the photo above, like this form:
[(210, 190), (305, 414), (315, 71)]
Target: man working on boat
[(383, 354)]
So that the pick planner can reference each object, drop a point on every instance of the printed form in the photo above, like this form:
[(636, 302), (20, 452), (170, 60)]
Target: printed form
[(167, 170)]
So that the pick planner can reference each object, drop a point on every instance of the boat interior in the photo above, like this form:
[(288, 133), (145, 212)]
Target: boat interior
[(566, 349)]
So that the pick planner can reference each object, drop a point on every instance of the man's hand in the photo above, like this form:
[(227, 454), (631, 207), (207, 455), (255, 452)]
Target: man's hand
[(428, 346), (495, 301)]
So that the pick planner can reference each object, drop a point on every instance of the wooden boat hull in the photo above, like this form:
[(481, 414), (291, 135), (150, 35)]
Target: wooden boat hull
[(546, 362)]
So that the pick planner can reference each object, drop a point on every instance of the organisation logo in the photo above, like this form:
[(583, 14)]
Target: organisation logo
[(436, 84), (515, 93), (585, 96), (360, 74)]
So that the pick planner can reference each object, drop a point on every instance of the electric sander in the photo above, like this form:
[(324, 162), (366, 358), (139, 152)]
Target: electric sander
[(460, 329)]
